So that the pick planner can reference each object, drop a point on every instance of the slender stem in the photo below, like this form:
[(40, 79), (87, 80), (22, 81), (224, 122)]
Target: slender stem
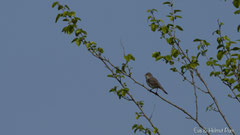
[(195, 94)]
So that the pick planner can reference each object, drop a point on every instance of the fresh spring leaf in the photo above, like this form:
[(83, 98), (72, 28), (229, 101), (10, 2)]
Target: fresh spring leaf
[(129, 57), (154, 27), (100, 50), (197, 40), (175, 11), (78, 41), (156, 54), (179, 27), (58, 16), (155, 130), (167, 2), (220, 55), (54, 4), (114, 89), (237, 12), (236, 3)]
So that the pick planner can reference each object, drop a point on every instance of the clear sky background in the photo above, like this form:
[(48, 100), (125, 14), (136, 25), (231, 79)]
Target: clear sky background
[(48, 86)]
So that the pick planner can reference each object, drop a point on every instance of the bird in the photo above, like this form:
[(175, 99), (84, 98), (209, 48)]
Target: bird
[(153, 82)]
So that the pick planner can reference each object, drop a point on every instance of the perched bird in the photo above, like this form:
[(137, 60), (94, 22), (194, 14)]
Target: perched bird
[(153, 82)]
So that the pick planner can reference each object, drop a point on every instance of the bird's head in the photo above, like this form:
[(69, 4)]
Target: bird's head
[(148, 75)]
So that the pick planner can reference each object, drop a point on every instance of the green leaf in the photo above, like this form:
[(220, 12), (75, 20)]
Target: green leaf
[(173, 69), (231, 81), (236, 3), (230, 96), (197, 40), (228, 61), (179, 27), (114, 89), (170, 40), (134, 126), (175, 11), (71, 14), (210, 107), (158, 58), (175, 52), (66, 20), (218, 32), (177, 16), (74, 40), (209, 63), (137, 116), (65, 13), (88, 45), (220, 55), (211, 73), (67, 7), (220, 46), (216, 73), (100, 50), (109, 75), (156, 54), (155, 130), (226, 38), (238, 95), (140, 103), (235, 48), (154, 27), (168, 58), (58, 16), (77, 32), (77, 18), (237, 12), (164, 29), (129, 57), (238, 28), (149, 10), (193, 65), (70, 29), (60, 7), (166, 2), (54, 4), (154, 10), (206, 43), (78, 42)]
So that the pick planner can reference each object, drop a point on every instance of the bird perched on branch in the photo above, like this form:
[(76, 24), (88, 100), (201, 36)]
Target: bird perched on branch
[(153, 82)]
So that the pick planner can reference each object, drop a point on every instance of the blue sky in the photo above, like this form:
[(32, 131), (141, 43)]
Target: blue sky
[(49, 86)]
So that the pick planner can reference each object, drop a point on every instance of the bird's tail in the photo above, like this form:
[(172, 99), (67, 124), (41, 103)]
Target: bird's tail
[(164, 91)]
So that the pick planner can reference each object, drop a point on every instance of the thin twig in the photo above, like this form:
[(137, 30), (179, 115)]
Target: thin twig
[(195, 94), (152, 111)]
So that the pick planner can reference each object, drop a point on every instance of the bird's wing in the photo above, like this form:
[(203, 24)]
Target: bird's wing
[(154, 82)]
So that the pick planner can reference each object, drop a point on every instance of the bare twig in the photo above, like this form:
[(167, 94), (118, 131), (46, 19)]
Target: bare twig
[(205, 92), (124, 53), (152, 111), (195, 94)]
